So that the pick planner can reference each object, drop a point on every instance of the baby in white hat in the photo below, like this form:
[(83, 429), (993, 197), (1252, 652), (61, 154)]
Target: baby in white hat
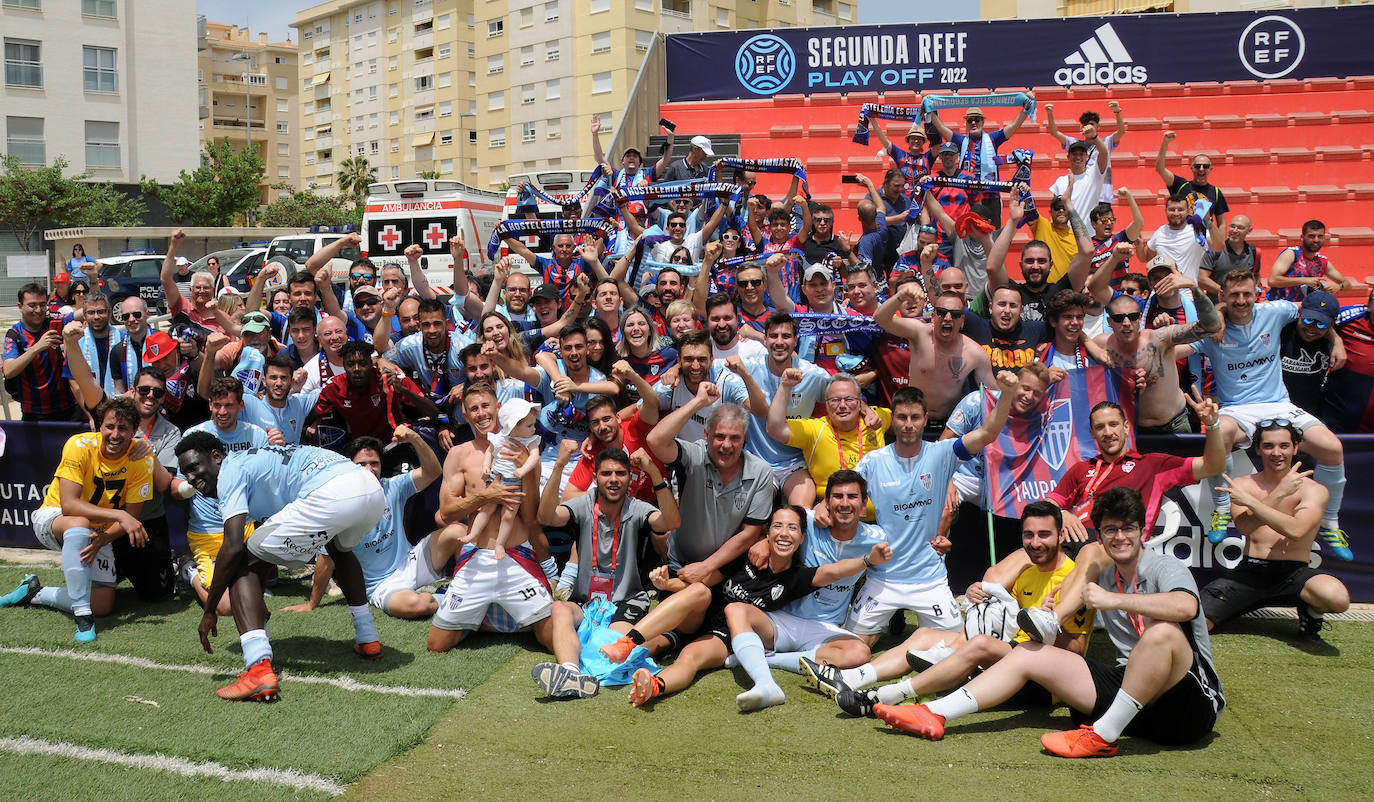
[(517, 418)]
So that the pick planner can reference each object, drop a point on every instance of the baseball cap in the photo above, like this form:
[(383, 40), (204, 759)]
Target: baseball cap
[(948, 147), (228, 291), (1161, 262), (973, 112), (62, 278), (818, 270), (182, 260), (366, 289), (702, 142), (255, 323), (1078, 144), (636, 207), (1321, 306), (546, 292), (158, 345), (514, 411)]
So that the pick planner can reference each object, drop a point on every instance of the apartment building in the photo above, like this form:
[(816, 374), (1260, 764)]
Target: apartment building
[(477, 90), (103, 83), (248, 93)]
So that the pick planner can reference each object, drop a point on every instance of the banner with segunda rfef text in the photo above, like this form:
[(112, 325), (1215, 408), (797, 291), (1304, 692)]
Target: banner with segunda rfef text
[(1074, 51)]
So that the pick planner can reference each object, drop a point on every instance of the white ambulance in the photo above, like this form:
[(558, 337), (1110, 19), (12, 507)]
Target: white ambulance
[(428, 213), (552, 183)]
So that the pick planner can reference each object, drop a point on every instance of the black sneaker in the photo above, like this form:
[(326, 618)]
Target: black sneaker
[(1309, 623), (23, 593), (184, 571), (824, 678), (858, 703)]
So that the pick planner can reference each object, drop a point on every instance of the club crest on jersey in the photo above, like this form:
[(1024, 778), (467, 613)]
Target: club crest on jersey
[(1128, 466), (376, 399), (1264, 338), (1057, 433), (926, 481), (776, 591)]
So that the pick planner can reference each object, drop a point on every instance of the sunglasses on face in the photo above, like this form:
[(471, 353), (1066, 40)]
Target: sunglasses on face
[(677, 225), (1202, 166), (751, 282), (1107, 218), (133, 315), (1122, 317), (362, 276), (156, 392), (734, 237), (367, 302), (950, 313), (823, 220), (1312, 322)]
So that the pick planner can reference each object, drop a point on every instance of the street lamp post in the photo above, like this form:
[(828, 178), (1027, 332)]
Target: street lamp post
[(247, 113)]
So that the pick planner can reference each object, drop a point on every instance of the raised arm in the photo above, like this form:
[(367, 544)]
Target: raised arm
[(255, 290), (906, 328), (325, 289), (89, 393), (551, 512), (1083, 260), (625, 373), (1120, 124), (776, 424), (667, 516), (597, 152), (326, 254), (1100, 282), (1104, 156), (429, 469), (777, 293), (830, 572), (169, 272), (418, 280), (934, 119), (805, 231), (1052, 127), (1161, 164), (997, 255), (520, 249), (666, 158), (1137, 226), (662, 438), (876, 126), (978, 439), (1009, 130)]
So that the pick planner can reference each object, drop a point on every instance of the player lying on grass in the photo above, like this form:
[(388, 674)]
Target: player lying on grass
[(1162, 687), (735, 616), (946, 659), (305, 498)]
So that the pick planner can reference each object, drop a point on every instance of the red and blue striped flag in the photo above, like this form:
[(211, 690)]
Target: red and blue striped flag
[(1033, 452)]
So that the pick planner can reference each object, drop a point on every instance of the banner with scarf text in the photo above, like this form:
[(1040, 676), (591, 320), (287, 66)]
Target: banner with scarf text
[(1033, 452), (519, 228), (871, 111)]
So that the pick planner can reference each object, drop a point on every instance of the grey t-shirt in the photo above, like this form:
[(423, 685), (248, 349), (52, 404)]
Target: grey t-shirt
[(163, 438), (624, 564), (712, 511), (1217, 263), (1159, 573), (680, 170)]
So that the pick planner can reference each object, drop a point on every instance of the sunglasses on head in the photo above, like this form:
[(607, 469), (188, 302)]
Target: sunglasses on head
[(156, 392), (1122, 317), (1274, 423), (1314, 322)]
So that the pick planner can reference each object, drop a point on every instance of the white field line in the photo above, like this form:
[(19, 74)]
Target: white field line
[(343, 682), (175, 765)]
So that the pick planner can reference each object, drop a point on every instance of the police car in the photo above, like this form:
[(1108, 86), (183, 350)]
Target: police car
[(134, 272)]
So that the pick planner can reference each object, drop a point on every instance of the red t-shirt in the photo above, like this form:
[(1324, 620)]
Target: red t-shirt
[(364, 413), (893, 365), (1151, 474), (633, 434)]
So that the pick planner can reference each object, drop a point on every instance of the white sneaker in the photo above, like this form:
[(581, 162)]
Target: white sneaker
[(923, 659), (1040, 625)]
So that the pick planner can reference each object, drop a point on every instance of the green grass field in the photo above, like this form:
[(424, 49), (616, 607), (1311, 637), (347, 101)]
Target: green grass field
[(1293, 728)]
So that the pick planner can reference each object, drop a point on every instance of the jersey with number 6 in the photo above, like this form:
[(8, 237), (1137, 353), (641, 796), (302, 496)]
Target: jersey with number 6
[(104, 482)]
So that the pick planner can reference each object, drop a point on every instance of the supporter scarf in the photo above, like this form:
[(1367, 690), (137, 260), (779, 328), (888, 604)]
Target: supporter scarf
[(812, 323), (1015, 99), (662, 192), (594, 184), (644, 242), (968, 222), (870, 111), (793, 166), (519, 228), (1201, 208)]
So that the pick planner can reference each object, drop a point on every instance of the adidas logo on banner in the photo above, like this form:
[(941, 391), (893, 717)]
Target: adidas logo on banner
[(1101, 59)]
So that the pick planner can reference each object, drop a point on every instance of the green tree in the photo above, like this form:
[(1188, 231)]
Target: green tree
[(224, 186), (305, 208), (430, 174), (354, 177), (32, 198)]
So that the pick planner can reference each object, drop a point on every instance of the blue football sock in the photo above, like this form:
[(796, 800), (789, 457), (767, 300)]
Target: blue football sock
[(1221, 501), (790, 661), (364, 628), (256, 647), (748, 647), (1331, 477), (78, 574), (54, 597)]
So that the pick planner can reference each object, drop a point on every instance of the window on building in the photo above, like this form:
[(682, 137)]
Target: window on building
[(424, 27), (472, 50), (393, 63), (527, 132), (443, 22), (307, 59), (495, 27), (283, 149), (372, 93), (372, 66), (496, 100), (554, 89), (551, 11), (102, 145), (424, 82), (446, 137), (390, 9), (374, 147), (601, 42), (392, 35), (644, 5), (643, 39), (395, 171), (282, 84), (526, 55), (97, 8), (497, 138), (722, 18), (551, 51), (472, 21), (24, 139), (472, 137), (599, 6), (308, 107), (526, 94), (496, 63), (424, 113), (601, 83), (395, 146), (843, 10), (373, 120), (23, 63), (553, 129), (446, 108), (33, 4), (283, 106), (395, 118), (526, 17), (98, 69), (283, 128), (445, 79), (446, 49)]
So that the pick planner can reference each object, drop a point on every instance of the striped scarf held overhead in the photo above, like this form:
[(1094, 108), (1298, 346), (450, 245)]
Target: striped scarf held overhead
[(871, 111), (519, 228), (994, 99), (661, 192), (594, 184), (792, 166)]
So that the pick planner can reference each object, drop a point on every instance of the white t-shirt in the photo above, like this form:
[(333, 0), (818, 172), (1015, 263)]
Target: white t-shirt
[(313, 378), (745, 349), (1087, 189), (1106, 195), (663, 251), (1182, 245)]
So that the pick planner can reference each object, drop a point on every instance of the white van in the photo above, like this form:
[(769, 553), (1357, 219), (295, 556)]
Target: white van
[(300, 247), (552, 183), (428, 213)]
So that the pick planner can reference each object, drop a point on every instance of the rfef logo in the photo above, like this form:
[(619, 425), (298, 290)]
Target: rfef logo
[(1271, 47), (1100, 59), (765, 64)]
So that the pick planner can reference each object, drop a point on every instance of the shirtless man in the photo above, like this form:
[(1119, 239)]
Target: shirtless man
[(1278, 510), (1162, 407), (517, 585), (941, 356)]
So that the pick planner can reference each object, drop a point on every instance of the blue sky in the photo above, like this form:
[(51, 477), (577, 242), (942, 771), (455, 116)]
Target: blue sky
[(275, 17)]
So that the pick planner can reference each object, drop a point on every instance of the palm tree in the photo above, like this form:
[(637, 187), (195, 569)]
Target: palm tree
[(355, 175)]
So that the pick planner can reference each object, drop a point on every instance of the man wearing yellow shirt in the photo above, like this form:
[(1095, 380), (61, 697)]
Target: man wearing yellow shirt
[(946, 659), (832, 443), (95, 497)]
